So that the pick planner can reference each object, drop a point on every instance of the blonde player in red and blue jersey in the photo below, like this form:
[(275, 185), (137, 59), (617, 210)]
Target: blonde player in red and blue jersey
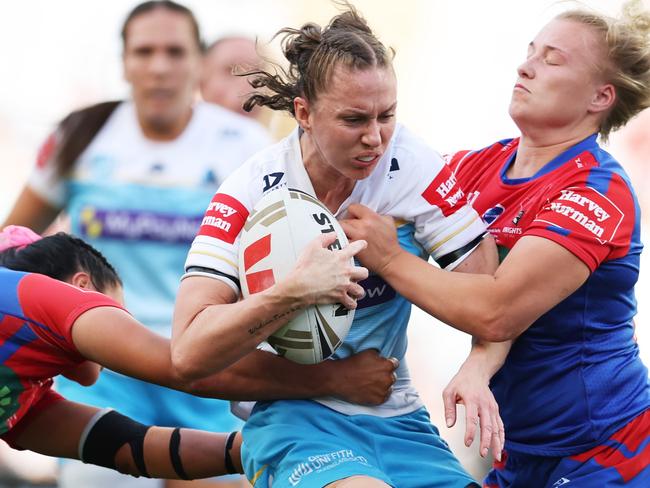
[(573, 393), (53, 321)]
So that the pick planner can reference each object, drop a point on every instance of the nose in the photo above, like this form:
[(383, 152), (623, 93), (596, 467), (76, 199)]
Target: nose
[(160, 63), (372, 135), (526, 70)]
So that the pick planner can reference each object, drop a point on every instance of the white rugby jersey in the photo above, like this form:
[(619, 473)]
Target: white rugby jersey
[(411, 183), (140, 202)]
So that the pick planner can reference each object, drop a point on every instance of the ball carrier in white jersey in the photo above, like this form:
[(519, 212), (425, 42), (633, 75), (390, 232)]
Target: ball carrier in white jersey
[(347, 150)]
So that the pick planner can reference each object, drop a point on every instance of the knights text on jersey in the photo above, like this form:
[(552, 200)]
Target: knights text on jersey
[(411, 183), (36, 318), (574, 377)]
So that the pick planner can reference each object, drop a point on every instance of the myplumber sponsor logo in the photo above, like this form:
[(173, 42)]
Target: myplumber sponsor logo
[(588, 209), (138, 225), (224, 218)]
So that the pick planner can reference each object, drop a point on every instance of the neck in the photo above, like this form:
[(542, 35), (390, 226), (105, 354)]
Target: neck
[(157, 130), (331, 187), (535, 150)]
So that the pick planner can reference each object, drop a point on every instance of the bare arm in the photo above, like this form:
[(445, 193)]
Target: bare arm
[(30, 210), (212, 330), (470, 386), (111, 337), (535, 276)]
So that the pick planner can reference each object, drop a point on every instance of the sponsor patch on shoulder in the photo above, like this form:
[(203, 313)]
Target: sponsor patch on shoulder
[(445, 193), (584, 208), (224, 218)]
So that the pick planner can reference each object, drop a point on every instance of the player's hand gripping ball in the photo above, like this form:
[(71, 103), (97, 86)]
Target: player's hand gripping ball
[(281, 224)]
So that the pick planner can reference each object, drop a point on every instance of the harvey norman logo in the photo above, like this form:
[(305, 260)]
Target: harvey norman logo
[(221, 208), (444, 192), (589, 209), (224, 218)]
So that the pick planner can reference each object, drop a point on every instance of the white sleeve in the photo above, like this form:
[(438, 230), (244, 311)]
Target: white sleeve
[(446, 226), (215, 249), (44, 179)]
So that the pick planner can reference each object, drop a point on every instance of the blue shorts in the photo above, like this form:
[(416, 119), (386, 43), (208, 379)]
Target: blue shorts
[(623, 460), (305, 444), (152, 404)]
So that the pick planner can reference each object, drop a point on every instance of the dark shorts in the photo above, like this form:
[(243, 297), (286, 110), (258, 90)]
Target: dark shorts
[(622, 460)]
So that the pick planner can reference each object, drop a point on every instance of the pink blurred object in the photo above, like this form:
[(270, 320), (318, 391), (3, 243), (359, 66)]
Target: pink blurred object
[(17, 236)]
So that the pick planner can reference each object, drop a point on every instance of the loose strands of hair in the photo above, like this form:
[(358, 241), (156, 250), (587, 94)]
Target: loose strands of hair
[(313, 54)]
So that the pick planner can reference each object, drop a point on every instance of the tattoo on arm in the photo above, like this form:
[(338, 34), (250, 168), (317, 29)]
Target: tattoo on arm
[(277, 316)]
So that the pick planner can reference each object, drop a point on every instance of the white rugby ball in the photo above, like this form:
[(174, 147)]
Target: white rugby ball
[(281, 224)]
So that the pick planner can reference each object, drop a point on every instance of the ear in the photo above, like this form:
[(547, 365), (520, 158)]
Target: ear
[(82, 280), (603, 99), (301, 109)]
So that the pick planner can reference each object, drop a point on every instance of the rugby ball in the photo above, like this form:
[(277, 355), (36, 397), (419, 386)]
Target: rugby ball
[(281, 224)]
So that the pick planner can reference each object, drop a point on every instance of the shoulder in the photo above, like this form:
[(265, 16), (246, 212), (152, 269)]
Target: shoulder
[(265, 169)]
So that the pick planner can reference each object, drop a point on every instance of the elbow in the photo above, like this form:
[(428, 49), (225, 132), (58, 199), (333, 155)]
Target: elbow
[(497, 325), (185, 368)]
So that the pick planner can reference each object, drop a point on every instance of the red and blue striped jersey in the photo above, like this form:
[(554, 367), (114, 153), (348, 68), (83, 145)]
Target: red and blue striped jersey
[(574, 376), (36, 318)]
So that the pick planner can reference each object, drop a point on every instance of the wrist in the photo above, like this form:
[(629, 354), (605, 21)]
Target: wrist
[(393, 264), (477, 366), (324, 378), (288, 294)]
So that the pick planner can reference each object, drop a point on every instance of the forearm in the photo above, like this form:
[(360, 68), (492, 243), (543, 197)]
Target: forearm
[(468, 302), (221, 334), (264, 376)]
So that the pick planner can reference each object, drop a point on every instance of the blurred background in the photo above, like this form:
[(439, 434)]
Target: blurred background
[(455, 64)]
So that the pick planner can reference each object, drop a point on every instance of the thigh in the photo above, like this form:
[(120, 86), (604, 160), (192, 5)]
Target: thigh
[(304, 444), (414, 454), (55, 430)]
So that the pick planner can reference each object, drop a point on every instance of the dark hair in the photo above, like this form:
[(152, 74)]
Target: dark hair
[(313, 54), (76, 131), (152, 5), (60, 256)]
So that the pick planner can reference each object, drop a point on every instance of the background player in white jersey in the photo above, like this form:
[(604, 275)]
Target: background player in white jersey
[(341, 89)]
